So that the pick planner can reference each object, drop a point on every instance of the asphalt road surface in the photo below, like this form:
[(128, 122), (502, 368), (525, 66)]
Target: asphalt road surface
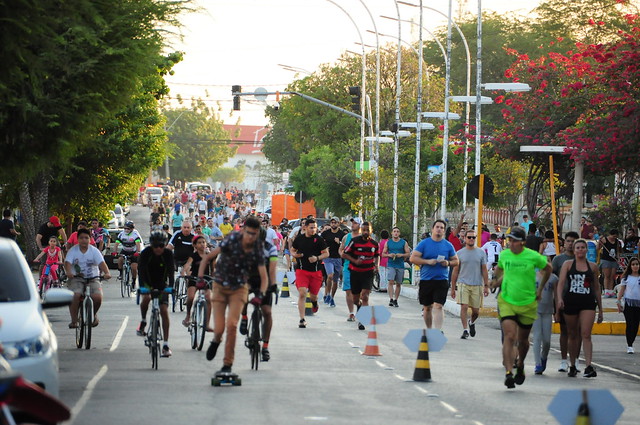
[(316, 374)]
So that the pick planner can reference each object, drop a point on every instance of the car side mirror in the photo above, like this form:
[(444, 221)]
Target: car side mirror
[(57, 297)]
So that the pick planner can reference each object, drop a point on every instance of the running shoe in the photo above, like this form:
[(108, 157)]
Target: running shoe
[(538, 369), (573, 372), (212, 350), (243, 325), (472, 328), (563, 366), (315, 308), (332, 303), (509, 381), (395, 303), (326, 299), (140, 331), (265, 355), (302, 324), (629, 350), (351, 318), (465, 334), (589, 372), (225, 369), (544, 364), (391, 303), (360, 326), (519, 378), (166, 351)]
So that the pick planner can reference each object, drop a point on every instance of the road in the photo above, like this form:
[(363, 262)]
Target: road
[(315, 374)]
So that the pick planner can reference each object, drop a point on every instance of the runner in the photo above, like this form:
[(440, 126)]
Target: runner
[(517, 301), (398, 251), (346, 274), (333, 264)]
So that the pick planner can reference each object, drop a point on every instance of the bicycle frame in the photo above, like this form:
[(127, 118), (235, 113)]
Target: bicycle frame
[(254, 336), (153, 336), (85, 316), (198, 320)]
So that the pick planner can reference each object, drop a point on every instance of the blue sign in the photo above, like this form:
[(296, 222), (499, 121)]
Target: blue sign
[(381, 313), (603, 407), (435, 339)]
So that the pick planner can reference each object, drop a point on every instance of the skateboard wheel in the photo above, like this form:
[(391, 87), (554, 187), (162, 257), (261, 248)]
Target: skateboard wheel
[(215, 382), (238, 382)]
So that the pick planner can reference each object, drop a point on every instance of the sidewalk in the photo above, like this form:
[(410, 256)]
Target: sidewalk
[(613, 323)]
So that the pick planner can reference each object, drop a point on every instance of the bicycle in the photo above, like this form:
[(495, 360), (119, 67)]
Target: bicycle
[(126, 279), (85, 315), (153, 336), (47, 281), (254, 332), (198, 321), (179, 294)]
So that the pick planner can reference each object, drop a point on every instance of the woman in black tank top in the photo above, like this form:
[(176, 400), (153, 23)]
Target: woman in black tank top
[(577, 294)]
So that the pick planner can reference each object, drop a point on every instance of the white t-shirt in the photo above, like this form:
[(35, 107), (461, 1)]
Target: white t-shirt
[(271, 235), (85, 264), (632, 290), (202, 205), (492, 248)]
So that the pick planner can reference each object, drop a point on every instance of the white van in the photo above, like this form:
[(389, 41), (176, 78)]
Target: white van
[(154, 194)]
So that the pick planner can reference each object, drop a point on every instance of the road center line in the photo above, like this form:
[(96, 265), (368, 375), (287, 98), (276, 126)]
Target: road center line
[(382, 365), (118, 337), (422, 390), (399, 377), (449, 407), (86, 395)]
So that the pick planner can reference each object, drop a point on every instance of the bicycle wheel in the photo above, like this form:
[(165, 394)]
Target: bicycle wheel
[(122, 287), (183, 294), (80, 328), (376, 281), (41, 286), (174, 293), (193, 327), (155, 346), (127, 279), (88, 322), (201, 323)]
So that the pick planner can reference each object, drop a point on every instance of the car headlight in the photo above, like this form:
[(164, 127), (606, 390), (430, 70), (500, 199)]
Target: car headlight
[(33, 347)]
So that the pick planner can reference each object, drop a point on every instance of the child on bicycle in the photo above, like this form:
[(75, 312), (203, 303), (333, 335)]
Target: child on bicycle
[(191, 268), (54, 257)]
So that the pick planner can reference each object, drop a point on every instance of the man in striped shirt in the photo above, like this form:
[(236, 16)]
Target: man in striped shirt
[(362, 253)]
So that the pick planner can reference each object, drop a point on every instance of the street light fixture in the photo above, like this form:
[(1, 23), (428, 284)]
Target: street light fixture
[(484, 100), (441, 115)]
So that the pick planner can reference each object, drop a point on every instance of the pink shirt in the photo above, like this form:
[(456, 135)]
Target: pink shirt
[(383, 260), (73, 239)]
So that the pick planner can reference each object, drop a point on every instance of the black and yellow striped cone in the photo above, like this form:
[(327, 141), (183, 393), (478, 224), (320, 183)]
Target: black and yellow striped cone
[(308, 307), (422, 372), (284, 291)]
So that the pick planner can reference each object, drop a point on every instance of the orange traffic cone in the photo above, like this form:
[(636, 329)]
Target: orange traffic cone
[(422, 371), (372, 339), (284, 292), (308, 307)]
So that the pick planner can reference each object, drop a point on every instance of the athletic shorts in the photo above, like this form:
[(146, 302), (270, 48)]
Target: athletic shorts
[(523, 315), (333, 266), (310, 280), (606, 264), (133, 259), (576, 305), (395, 274), (470, 295), (254, 286), (433, 291), (346, 280), (361, 281), (77, 286), (287, 252)]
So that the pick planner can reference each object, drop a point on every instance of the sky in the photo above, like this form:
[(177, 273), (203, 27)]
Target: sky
[(246, 42)]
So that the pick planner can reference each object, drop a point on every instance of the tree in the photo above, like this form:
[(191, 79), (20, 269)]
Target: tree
[(200, 144), (228, 175)]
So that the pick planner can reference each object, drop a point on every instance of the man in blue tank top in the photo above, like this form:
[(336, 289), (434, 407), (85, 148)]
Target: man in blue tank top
[(397, 251)]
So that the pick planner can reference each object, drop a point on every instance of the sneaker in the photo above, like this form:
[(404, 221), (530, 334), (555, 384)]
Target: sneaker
[(315, 308), (140, 331), (265, 355), (360, 326), (573, 372), (166, 351), (225, 369), (519, 378), (302, 324), (391, 303), (472, 328), (326, 299), (395, 303), (544, 364), (538, 369), (243, 326), (563, 366), (212, 350), (589, 372), (351, 318), (332, 303), (629, 350), (509, 381), (465, 334)]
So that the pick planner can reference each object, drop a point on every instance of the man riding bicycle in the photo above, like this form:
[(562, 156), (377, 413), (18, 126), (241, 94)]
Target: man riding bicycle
[(239, 252), (131, 242), (181, 244), (156, 272)]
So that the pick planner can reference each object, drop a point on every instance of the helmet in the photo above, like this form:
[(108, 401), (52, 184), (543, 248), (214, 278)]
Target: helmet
[(158, 237), (129, 224)]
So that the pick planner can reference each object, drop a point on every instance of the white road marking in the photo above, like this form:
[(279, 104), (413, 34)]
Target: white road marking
[(382, 365), (609, 368), (399, 377), (477, 423), (339, 334), (449, 407), (116, 340), (86, 395), (316, 418), (422, 390)]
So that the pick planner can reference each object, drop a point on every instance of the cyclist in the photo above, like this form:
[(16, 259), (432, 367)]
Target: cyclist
[(191, 268), (73, 238), (181, 244), (131, 242), (239, 253), (85, 262), (99, 234), (270, 255), (54, 257), (156, 269)]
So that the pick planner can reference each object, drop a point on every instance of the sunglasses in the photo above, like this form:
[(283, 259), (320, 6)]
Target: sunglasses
[(158, 245), (471, 237)]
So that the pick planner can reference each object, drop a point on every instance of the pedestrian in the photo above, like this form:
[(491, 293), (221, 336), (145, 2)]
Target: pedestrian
[(578, 293), (609, 254), (631, 241), (383, 262), (587, 229), (53, 227), (7, 228), (397, 251), (362, 253), (346, 273), (533, 242), (517, 301), (492, 249), (176, 220), (548, 245), (526, 223), (629, 301), (333, 263), (434, 255), (556, 265), (310, 249), (471, 281), (543, 324)]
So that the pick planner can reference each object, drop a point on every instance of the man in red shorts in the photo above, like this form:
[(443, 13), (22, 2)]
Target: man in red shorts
[(309, 249)]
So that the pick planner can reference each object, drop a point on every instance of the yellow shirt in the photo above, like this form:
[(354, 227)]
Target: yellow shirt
[(225, 228)]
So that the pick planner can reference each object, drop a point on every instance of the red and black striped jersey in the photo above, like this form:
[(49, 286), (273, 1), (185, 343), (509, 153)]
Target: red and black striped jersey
[(366, 250)]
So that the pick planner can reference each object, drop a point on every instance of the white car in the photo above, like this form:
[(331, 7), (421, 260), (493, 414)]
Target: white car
[(154, 194), (30, 346), (120, 215)]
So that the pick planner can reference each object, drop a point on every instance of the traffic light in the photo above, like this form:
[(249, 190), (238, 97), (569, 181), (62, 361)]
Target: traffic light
[(235, 91), (355, 93)]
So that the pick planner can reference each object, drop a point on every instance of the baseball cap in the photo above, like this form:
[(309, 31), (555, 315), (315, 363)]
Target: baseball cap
[(357, 220), (55, 221), (336, 219), (517, 233)]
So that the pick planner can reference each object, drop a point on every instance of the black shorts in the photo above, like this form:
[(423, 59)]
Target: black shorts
[(133, 259), (254, 286), (361, 281), (575, 305), (433, 291)]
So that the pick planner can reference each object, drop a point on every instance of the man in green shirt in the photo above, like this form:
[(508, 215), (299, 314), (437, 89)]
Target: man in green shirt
[(518, 300)]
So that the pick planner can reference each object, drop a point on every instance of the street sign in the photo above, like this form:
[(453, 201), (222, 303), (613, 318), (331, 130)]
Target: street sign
[(603, 407), (381, 312), (260, 94), (473, 186), (435, 339)]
